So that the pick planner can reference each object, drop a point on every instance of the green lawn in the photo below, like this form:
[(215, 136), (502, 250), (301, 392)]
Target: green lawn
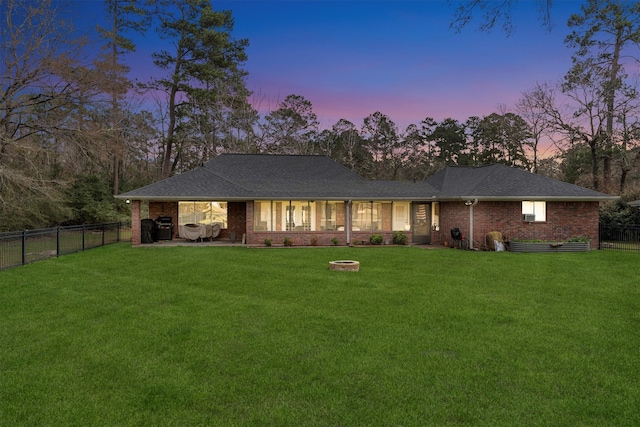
[(185, 336)]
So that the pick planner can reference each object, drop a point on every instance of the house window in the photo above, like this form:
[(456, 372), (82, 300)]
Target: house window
[(367, 216), (262, 218), (284, 215), (537, 209), (205, 213), (328, 214)]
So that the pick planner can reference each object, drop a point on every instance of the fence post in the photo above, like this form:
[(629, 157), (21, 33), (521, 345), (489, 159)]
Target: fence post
[(83, 231), (58, 240), (118, 233), (24, 247), (103, 232)]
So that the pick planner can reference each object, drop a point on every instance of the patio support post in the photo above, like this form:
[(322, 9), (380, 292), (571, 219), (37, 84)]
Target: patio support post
[(347, 222), (471, 205)]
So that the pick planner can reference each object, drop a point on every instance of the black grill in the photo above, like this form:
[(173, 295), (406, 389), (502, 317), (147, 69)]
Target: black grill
[(165, 228)]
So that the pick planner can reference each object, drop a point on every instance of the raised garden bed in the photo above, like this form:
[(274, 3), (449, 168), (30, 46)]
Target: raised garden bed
[(549, 246)]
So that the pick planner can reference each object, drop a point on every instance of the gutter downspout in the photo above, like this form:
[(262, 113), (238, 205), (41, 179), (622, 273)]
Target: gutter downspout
[(471, 205)]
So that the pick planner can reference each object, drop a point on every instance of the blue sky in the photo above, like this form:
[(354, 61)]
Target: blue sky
[(353, 58)]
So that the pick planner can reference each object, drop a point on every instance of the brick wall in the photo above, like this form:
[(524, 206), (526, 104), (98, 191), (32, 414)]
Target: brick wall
[(136, 236), (564, 220), (322, 238), (157, 209)]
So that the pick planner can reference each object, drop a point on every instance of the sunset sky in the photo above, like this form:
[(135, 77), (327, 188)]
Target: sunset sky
[(353, 58)]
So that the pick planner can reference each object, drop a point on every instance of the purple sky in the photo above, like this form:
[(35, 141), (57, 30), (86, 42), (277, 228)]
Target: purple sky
[(353, 58)]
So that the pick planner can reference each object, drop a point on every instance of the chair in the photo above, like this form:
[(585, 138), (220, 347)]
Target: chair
[(457, 237)]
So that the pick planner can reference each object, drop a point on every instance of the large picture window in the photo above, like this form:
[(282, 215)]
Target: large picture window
[(262, 217), (307, 215), (205, 213), (331, 215), (297, 215), (537, 209), (367, 216)]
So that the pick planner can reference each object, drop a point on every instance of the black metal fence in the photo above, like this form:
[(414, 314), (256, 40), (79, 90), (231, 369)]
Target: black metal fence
[(620, 237), (23, 247)]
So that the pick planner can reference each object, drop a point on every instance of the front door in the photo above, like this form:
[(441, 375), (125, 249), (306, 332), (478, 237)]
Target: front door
[(421, 223)]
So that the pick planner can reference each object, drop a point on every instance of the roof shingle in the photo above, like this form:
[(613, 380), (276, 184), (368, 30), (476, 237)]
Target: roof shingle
[(289, 177)]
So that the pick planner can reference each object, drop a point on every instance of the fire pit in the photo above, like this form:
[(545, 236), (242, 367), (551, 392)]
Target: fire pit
[(344, 265)]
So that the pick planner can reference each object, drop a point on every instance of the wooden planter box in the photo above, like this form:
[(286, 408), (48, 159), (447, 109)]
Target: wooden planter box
[(549, 247)]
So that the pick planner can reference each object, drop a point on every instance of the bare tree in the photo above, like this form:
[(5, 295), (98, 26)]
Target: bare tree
[(531, 107), (45, 102), (495, 13)]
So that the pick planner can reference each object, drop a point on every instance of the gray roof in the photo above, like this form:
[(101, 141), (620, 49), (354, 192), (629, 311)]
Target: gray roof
[(287, 177), (293, 177), (501, 182)]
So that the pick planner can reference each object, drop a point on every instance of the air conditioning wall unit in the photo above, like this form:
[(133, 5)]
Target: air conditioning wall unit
[(528, 217)]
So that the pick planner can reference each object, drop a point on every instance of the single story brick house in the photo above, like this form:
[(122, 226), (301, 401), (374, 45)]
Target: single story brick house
[(308, 199)]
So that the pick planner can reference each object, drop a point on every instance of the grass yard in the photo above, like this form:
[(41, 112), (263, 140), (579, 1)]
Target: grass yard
[(184, 336)]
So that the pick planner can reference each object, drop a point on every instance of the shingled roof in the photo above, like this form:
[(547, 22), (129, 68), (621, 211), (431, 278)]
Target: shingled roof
[(294, 177), (501, 182), (287, 177)]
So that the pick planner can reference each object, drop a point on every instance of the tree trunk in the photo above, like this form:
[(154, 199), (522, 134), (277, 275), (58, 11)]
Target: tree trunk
[(167, 166)]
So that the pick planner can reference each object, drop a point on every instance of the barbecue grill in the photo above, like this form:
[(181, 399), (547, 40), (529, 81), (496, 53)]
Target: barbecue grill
[(164, 228)]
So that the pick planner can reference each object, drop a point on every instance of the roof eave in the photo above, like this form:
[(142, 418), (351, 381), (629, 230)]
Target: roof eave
[(532, 198), (274, 197)]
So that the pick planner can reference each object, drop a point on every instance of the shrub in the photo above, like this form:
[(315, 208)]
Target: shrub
[(581, 239), (619, 213), (335, 241), (399, 238), (376, 239), (314, 241), (288, 241), (267, 242)]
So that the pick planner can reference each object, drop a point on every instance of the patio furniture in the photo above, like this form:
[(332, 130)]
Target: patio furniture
[(457, 238), (199, 231)]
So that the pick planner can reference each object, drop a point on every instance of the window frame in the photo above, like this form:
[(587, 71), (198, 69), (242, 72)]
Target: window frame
[(537, 208), (199, 216)]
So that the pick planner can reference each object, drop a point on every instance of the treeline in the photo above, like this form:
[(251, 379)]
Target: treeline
[(74, 130)]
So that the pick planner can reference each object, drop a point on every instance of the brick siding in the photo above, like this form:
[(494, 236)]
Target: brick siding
[(136, 236), (564, 220)]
